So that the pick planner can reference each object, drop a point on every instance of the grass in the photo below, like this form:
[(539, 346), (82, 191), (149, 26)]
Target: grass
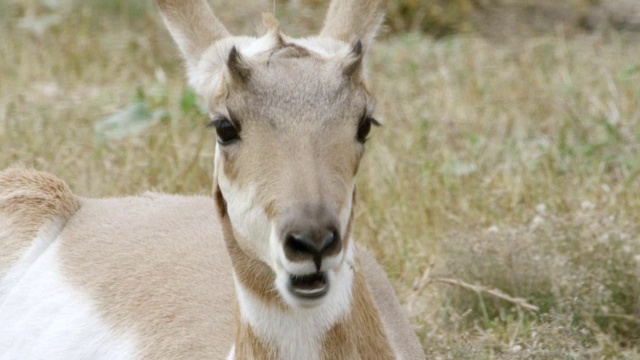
[(508, 165)]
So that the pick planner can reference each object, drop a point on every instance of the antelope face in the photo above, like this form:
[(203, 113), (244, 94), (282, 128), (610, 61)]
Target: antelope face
[(291, 126), (291, 118)]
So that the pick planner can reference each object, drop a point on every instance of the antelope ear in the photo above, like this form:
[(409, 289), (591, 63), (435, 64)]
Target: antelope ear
[(193, 26), (238, 69), (349, 20), (353, 63)]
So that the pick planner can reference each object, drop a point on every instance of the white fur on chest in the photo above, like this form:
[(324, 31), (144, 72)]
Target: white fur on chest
[(43, 317), (297, 333)]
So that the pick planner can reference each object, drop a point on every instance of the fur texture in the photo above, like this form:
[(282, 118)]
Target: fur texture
[(30, 202), (150, 277)]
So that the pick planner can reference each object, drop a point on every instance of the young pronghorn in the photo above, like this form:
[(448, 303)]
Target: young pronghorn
[(268, 269)]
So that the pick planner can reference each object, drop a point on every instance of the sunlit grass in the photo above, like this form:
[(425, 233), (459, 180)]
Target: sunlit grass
[(513, 166)]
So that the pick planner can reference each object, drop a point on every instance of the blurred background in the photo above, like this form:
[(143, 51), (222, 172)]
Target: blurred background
[(502, 195)]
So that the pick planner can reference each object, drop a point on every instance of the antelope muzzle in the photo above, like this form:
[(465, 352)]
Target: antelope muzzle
[(312, 245)]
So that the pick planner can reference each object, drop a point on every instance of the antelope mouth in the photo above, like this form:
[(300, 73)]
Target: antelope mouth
[(309, 286)]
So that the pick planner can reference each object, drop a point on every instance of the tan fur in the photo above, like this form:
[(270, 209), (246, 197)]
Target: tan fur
[(391, 331), (351, 20), (396, 325), (252, 273), (29, 201), (194, 22), (298, 149), (349, 339), (158, 268), (250, 346)]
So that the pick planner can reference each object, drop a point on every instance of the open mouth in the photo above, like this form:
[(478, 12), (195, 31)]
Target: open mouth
[(309, 286)]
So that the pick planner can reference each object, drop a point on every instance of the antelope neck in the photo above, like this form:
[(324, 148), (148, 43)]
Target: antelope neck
[(267, 328)]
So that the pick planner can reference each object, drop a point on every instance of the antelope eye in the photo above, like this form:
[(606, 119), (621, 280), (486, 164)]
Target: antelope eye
[(226, 131), (365, 127)]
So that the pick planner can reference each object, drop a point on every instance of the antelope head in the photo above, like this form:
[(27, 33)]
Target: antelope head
[(291, 117)]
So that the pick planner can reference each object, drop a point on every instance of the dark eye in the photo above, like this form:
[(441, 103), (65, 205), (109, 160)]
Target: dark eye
[(365, 127), (227, 132)]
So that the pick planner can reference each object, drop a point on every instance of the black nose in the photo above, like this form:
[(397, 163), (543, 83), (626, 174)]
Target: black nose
[(310, 234), (310, 244)]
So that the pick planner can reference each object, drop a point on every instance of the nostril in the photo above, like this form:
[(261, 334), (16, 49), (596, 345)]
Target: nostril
[(300, 245), (329, 242)]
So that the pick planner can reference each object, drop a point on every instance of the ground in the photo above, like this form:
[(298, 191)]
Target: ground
[(506, 176)]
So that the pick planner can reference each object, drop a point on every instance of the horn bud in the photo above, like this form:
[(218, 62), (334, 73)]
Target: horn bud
[(353, 64), (238, 68)]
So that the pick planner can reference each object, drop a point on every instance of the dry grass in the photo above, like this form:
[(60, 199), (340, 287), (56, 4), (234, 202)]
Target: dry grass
[(514, 167)]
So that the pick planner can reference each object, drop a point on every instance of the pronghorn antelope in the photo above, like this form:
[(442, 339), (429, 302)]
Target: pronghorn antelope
[(267, 269)]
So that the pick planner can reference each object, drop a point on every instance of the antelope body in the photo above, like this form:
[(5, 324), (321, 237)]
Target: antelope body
[(267, 269)]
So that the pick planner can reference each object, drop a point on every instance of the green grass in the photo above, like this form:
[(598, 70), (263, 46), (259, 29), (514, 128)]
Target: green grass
[(510, 165)]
